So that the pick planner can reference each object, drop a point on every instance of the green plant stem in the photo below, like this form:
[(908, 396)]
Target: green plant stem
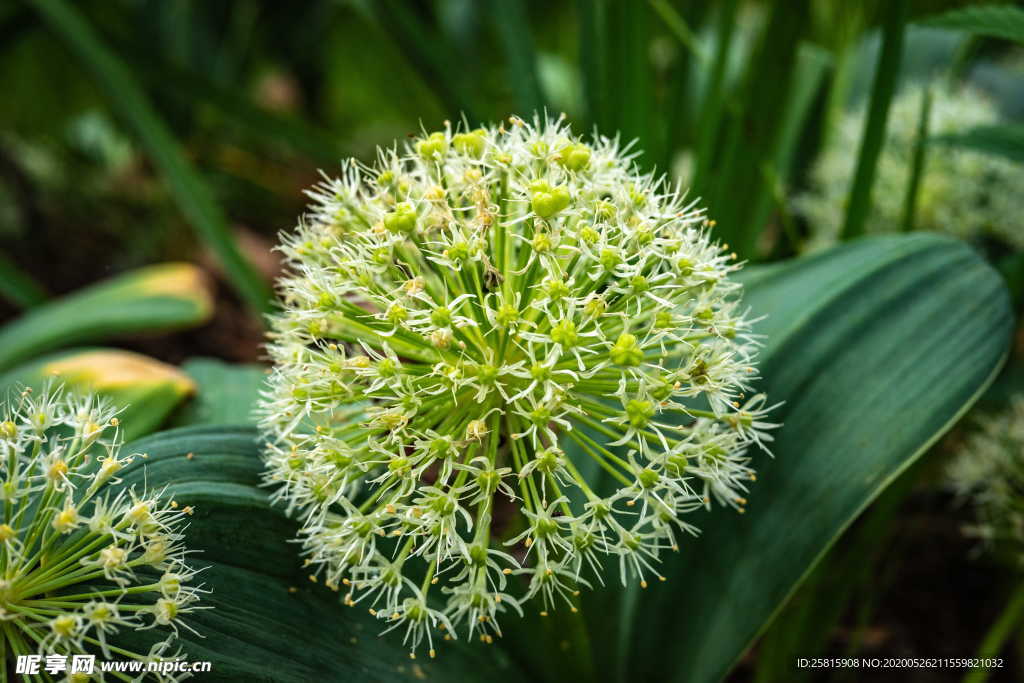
[(917, 163), (711, 104), (886, 74), (996, 637), (129, 100)]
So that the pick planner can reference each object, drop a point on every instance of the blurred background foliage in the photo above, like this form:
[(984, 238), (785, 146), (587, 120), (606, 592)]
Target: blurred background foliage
[(135, 132)]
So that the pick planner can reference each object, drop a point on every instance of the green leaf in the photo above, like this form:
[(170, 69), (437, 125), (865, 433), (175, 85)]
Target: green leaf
[(434, 59), (227, 393), (269, 621), (887, 73), (1006, 140), (17, 286), (146, 390), (513, 28), (593, 30), (917, 161), (152, 299), (995, 21), (876, 348), (128, 99)]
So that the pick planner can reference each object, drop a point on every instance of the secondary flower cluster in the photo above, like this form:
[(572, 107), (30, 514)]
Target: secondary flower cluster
[(78, 563), (989, 472), (961, 192), (495, 319)]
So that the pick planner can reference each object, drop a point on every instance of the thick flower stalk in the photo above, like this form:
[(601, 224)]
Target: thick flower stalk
[(79, 561), (989, 473), (962, 192), (499, 321)]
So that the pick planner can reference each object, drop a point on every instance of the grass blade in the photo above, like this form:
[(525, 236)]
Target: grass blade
[(886, 75), (128, 99)]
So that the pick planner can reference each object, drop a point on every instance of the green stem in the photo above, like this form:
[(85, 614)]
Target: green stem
[(996, 637), (886, 74)]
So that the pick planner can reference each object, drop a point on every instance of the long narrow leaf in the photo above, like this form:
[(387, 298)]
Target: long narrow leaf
[(917, 162), (513, 29), (429, 55), (154, 299), (1003, 140), (593, 39), (128, 99), (995, 21), (886, 75)]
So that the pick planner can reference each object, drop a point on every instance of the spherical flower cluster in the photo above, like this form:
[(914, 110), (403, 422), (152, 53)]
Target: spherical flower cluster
[(478, 327), (78, 561), (989, 472), (963, 193)]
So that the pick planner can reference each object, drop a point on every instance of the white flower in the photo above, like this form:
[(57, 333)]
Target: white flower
[(962, 192), (989, 473), (78, 560), (454, 321)]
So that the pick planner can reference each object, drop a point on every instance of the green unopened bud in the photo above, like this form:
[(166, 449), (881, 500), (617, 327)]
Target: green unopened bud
[(506, 316), (639, 413), (575, 157), (402, 219), (564, 333), (472, 143), (546, 201), (433, 146), (627, 351)]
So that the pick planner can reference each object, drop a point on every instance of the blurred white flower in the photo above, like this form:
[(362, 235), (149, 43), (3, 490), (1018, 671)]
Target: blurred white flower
[(989, 472), (962, 192)]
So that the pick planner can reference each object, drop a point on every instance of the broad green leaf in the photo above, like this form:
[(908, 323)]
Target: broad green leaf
[(876, 348), (995, 21), (269, 621), (227, 393), (152, 299), (1005, 140), (129, 100), (146, 389)]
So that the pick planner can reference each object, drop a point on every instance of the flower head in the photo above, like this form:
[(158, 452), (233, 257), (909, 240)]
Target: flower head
[(80, 562), (989, 472), (479, 319), (962, 192)]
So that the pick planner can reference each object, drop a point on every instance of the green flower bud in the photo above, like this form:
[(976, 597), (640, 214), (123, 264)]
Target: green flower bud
[(434, 146), (627, 351), (402, 219)]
